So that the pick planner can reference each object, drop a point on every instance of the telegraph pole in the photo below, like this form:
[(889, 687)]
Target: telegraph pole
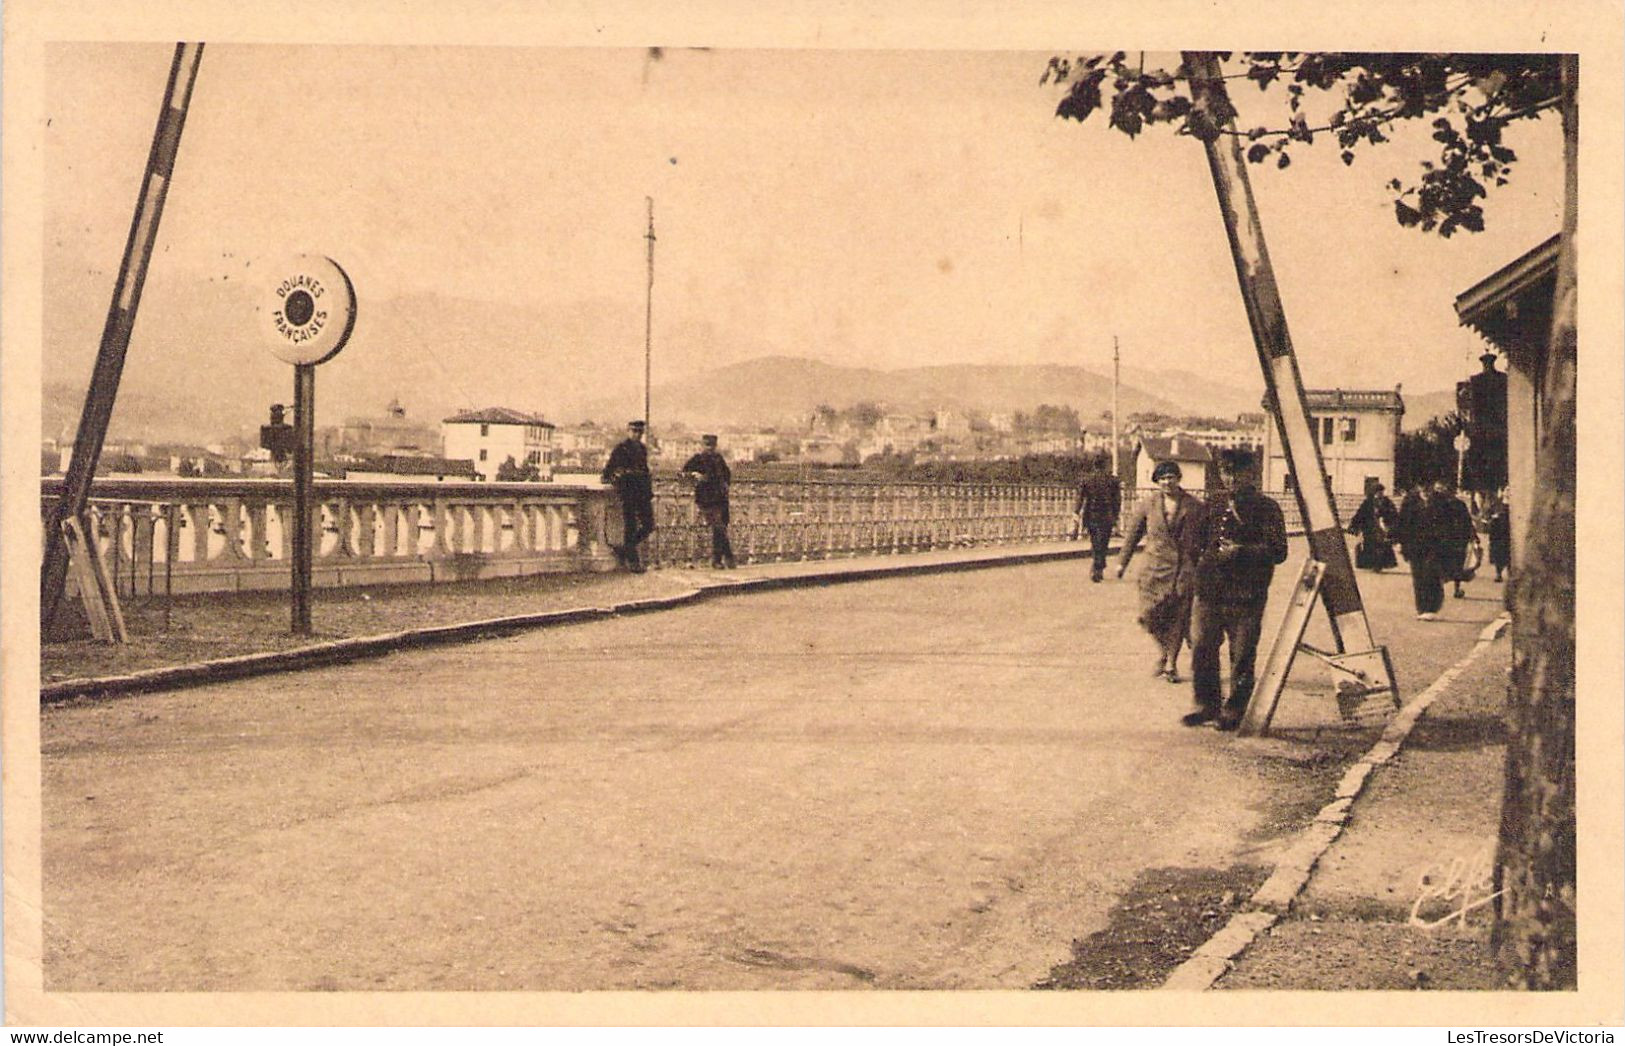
[(132, 275), (1116, 452), (648, 323)]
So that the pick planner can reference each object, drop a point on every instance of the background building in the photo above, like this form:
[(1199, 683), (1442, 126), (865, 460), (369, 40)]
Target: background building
[(1192, 457), (1356, 429), (1512, 309), (391, 433), (489, 437)]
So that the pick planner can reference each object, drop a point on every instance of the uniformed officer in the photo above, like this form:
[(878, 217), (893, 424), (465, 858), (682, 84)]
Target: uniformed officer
[(709, 472), (628, 471)]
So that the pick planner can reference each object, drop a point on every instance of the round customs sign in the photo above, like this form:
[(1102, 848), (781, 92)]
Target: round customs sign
[(308, 310)]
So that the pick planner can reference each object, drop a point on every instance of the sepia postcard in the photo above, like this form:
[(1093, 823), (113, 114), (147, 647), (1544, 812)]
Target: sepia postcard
[(859, 515)]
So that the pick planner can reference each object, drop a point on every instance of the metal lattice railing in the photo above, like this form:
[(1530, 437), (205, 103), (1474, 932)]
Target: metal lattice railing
[(777, 521)]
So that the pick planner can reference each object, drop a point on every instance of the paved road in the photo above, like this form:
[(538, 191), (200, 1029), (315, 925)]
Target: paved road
[(925, 782)]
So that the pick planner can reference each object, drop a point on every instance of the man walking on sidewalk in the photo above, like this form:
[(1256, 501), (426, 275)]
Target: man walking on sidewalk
[(1423, 544), (1244, 541), (628, 472), (1100, 502)]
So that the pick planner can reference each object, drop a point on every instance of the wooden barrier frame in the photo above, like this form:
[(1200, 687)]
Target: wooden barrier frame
[(95, 585)]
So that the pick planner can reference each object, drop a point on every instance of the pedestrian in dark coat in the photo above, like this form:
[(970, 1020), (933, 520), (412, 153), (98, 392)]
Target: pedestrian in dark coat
[(1375, 522), (1456, 534), (1100, 502), (712, 479), (1168, 520), (1420, 544), (628, 472), (1243, 539), (1498, 524)]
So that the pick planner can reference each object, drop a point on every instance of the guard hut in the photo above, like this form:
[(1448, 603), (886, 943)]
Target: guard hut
[(1357, 430), (1512, 310)]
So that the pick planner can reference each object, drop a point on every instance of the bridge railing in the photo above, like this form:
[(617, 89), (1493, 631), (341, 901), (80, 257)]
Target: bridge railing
[(211, 535), (177, 535), (775, 521)]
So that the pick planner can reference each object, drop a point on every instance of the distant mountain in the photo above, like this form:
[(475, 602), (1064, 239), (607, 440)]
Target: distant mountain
[(776, 388), (196, 369), (164, 416), (196, 354), (1200, 395)]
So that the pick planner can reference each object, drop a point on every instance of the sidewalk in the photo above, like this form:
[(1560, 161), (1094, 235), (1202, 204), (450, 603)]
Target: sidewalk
[(1402, 899)]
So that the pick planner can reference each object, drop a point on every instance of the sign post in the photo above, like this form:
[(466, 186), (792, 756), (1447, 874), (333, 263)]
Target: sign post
[(307, 316)]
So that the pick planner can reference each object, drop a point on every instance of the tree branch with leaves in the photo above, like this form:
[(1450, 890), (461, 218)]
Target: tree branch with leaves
[(1470, 98)]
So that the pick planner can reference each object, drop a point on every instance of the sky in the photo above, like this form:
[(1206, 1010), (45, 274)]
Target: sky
[(876, 208)]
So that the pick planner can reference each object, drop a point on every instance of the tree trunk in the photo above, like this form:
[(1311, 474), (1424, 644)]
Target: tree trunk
[(1535, 866)]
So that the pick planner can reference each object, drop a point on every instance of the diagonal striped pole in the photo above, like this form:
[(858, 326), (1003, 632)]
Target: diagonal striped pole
[(104, 380), (1282, 382)]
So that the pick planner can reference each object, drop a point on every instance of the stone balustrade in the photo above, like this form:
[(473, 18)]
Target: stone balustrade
[(176, 535), (211, 535)]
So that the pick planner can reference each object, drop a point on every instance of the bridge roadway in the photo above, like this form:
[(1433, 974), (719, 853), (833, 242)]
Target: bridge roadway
[(926, 782)]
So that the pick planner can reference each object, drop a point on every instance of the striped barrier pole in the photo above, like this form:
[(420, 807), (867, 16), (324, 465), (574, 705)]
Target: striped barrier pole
[(1357, 651), (104, 379)]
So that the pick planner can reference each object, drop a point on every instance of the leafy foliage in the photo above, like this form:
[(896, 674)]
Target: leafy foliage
[(511, 471), (864, 415), (1048, 418), (1471, 98), (1428, 454)]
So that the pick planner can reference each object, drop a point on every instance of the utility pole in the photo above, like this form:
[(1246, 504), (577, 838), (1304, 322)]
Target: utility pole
[(132, 275), (648, 323), (1116, 451)]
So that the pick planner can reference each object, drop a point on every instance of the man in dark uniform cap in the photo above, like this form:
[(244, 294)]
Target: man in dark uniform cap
[(628, 471), (711, 477)]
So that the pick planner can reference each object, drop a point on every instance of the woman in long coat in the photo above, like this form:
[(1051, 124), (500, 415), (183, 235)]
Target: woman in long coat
[(1375, 521), (1170, 522), (1455, 534), (1497, 525)]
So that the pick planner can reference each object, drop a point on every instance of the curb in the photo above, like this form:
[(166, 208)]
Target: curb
[(1274, 899), (339, 651)]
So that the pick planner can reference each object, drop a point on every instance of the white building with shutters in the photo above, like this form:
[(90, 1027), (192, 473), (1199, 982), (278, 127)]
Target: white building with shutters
[(1357, 430), (491, 436)]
